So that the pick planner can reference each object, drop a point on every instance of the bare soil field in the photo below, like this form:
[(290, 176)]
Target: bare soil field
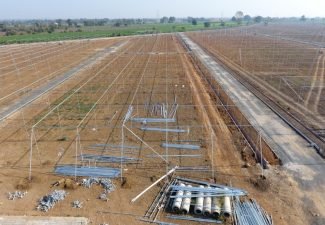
[(289, 72), (91, 109)]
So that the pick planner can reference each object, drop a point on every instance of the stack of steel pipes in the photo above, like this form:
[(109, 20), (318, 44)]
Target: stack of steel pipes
[(208, 201), (250, 213)]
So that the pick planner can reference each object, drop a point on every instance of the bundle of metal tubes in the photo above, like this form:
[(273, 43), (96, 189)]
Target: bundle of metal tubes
[(208, 201), (107, 159), (250, 213), (72, 170)]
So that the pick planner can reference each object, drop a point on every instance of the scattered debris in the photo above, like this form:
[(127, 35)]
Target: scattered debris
[(16, 194), (106, 183), (89, 182), (77, 204), (48, 201), (103, 196)]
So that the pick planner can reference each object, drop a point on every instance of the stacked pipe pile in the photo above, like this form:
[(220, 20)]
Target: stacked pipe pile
[(87, 171), (208, 201), (107, 158), (250, 213), (101, 145), (48, 201)]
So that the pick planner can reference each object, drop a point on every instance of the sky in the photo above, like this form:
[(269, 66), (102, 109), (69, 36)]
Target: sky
[(54, 9)]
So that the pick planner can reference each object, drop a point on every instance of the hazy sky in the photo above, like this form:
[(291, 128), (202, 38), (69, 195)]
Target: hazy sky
[(51, 9)]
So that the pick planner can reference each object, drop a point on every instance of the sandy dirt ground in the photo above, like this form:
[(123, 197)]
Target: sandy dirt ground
[(148, 70)]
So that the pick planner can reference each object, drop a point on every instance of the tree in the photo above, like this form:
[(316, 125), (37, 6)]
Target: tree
[(258, 19), (303, 18), (247, 18), (194, 22), (3, 27), (171, 19), (51, 29), (59, 22), (222, 23), (233, 19), (10, 32), (164, 19), (117, 24), (239, 15), (69, 22), (207, 24)]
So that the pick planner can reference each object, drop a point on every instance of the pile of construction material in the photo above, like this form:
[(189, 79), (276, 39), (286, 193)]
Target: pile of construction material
[(211, 203), (48, 201), (250, 213), (107, 159), (209, 200), (106, 183), (16, 195), (77, 204), (70, 170)]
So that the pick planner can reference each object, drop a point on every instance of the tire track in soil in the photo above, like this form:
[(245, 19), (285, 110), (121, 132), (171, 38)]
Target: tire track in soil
[(320, 87), (313, 82)]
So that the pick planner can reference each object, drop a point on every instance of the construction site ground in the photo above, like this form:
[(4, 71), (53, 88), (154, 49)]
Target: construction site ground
[(90, 107)]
